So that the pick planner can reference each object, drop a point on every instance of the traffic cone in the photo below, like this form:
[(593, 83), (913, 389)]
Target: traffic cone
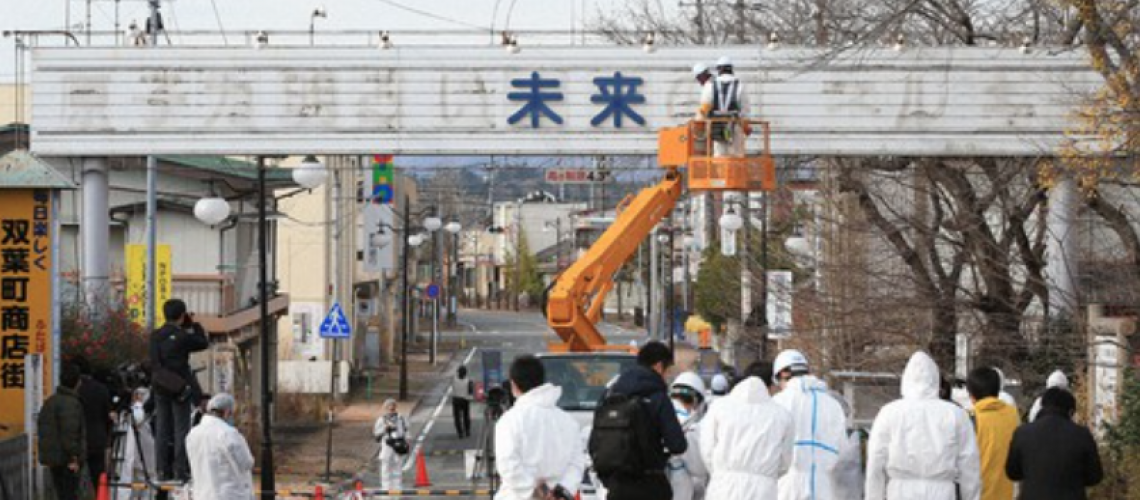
[(319, 493), (578, 495), (422, 480), (103, 493)]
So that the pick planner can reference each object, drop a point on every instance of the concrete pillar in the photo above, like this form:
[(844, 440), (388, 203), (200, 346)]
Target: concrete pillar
[(95, 230), (1062, 252)]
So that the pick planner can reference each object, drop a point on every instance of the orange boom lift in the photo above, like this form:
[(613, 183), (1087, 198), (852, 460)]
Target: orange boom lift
[(575, 300)]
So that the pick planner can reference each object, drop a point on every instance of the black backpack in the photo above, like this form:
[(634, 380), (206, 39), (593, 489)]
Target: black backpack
[(622, 441)]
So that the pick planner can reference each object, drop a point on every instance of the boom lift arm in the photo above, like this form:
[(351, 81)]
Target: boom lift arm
[(575, 300), (574, 304)]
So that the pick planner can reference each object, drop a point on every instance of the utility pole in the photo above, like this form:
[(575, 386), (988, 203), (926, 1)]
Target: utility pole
[(745, 276), (741, 22), (764, 279), (404, 299)]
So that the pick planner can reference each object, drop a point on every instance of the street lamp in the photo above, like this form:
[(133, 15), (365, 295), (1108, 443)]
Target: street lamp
[(320, 12), (212, 210), (413, 237), (311, 173), (453, 228)]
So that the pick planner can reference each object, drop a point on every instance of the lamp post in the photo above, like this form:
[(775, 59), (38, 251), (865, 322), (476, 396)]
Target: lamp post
[(411, 238), (320, 12), (665, 237), (733, 222), (212, 211), (453, 228)]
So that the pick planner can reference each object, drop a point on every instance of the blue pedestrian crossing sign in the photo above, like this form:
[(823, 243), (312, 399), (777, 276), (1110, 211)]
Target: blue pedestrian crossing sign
[(335, 325)]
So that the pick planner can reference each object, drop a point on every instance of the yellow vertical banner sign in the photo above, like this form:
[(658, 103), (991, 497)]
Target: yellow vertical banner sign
[(25, 296), (136, 281)]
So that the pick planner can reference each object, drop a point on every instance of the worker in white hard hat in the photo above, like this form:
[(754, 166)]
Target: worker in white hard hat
[(1058, 380), (718, 388), (820, 430), (701, 73), (687, 474), (724, 98)]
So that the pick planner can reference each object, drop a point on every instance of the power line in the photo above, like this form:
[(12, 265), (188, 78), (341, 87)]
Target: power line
[(218, 17), (432, 16)]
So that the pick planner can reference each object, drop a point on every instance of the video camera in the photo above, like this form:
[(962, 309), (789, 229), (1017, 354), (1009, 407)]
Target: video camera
[(128, 377), (498, 400)]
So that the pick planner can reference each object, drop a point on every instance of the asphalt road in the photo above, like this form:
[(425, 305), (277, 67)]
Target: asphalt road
[(433, 428)]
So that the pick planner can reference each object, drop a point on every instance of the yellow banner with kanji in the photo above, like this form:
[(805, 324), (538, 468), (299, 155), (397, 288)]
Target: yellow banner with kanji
[(25, 296), (136, 281)]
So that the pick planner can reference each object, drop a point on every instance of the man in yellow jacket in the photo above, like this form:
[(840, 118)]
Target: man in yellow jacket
[(995, 422)]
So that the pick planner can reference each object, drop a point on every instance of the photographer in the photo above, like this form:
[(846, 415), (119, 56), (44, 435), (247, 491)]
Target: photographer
[(175, 386)]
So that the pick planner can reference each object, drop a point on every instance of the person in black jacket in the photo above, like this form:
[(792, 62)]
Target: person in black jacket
[(170, 348), (1053, 457), (647, 381), (97, 411), (62, 433)]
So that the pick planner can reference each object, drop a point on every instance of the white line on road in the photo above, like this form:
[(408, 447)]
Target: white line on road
[(410, 460)]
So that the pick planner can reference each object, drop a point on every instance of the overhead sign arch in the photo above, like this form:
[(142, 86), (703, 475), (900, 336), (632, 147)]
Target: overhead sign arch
[(543, 101)]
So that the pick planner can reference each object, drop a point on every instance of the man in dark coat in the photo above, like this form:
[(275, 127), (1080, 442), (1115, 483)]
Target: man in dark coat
[(1053, 457), (646, 381), (97, 410), (63, 439), (170, 348)]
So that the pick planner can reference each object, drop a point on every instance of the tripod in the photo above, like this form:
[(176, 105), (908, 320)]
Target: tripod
[(485, 461), (124, 429)]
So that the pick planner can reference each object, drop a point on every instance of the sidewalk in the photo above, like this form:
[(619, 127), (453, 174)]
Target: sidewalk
[(301, 448)]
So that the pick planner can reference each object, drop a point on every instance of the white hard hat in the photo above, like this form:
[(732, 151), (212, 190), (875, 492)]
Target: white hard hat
[(723, 61), (720, 383), (221, 402), (700, 68), (788, 359), (690, 380)]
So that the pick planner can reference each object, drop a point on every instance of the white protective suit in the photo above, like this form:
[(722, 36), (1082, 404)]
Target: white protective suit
[(535, 441), (687, 473), (921, 446), (820, 434), (1056, 379), (220, 461), (733, 89), (391, 463), (746, 443), (1005, 397)]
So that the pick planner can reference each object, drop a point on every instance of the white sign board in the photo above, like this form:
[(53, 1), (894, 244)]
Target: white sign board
[(779, 304), (380, 239), (940, 101)]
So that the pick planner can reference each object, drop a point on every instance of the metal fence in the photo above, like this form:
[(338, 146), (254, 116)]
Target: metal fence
[(14, 468)]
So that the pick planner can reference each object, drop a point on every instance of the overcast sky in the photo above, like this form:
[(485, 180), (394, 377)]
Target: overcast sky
[(240, 15)]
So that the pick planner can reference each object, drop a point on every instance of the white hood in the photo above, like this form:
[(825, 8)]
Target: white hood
[(544, 396), (920, 380), (1057, 379), (750, 391)]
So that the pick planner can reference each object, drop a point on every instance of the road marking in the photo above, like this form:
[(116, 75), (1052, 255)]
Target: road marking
[(410, 460)]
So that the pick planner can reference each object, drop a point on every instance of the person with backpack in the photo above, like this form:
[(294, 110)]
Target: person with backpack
[(636, 430), (538, 446), (687, 473), (746, 441), (462, 392), (723, 98), (391, 429)]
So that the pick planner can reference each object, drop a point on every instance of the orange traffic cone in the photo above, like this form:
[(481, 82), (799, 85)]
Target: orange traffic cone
[(422, 480), (103, 493), (319, 493), (578, 495)]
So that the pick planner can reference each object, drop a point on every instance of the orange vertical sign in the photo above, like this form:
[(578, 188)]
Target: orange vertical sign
[(25, 296)]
